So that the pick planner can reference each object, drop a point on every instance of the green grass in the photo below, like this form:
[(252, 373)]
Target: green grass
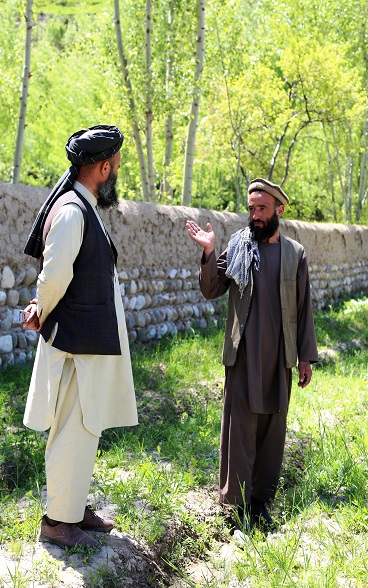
[(21, 450), (150, 470)]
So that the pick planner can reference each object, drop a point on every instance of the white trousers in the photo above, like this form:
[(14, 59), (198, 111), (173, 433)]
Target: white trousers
[(70, 453)]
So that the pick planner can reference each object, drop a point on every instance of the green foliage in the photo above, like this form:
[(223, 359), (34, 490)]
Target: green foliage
[(286, 84), (69, 7), (11, 59), (176, 409), (284, 94), (343, 323)]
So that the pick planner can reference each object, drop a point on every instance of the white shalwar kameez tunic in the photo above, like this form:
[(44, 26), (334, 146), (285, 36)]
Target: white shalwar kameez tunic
[(78, 395)]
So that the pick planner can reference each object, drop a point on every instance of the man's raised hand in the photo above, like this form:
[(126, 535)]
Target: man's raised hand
[(205, 239)]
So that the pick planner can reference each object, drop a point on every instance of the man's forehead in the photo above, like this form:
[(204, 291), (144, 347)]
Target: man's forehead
[(261, 197)]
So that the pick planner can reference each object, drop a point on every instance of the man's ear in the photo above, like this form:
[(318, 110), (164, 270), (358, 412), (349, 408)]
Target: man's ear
[(280, 210), (104, 169)]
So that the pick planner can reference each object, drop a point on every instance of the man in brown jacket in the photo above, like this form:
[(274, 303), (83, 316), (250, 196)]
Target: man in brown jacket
[(269, 327)]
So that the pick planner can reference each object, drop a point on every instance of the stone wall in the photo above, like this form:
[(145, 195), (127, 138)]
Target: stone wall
[(158, 265)]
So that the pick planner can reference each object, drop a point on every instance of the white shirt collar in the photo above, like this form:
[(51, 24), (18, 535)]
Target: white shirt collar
[(85, 192)]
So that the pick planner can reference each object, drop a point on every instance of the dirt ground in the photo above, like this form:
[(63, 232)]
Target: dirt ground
[(122, 561)]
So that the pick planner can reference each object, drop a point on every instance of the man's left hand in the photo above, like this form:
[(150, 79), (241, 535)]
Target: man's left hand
[(32, 323), (305, 373)]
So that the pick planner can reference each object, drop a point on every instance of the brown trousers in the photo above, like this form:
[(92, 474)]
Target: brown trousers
[(251, 449)]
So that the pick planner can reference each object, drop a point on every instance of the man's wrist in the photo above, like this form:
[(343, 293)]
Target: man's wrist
[(207, 254)]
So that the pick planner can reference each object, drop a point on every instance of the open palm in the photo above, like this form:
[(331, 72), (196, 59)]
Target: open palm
[(205, 239)]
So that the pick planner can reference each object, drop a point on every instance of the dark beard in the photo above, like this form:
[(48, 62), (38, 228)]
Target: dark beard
[(267, 231), (107, 194)]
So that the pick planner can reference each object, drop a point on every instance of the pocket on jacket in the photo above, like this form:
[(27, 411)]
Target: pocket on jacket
[(291, 299)]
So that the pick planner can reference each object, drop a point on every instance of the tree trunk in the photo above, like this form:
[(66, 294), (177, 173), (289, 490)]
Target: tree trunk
[(346, 183), (24, 94), (132, 106), (349, 191), (290, 149), (331, 173), (149, 111), (339, 172), (236, 143), (193, 122), (167, 189), (276, 150), (363, 171)]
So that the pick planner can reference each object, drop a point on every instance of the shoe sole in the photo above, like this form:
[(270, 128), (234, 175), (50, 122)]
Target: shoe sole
[(98, 530), (46, 539)]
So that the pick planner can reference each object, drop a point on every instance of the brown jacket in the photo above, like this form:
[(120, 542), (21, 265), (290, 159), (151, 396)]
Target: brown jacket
[(213, 286)]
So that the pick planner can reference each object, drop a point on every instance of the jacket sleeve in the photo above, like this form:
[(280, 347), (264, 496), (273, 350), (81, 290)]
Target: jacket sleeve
[(306, 341), (62, 246), (212, 278)]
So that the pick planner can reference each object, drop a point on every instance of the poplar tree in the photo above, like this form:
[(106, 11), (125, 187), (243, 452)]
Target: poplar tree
[(24, 93), (194, 110)]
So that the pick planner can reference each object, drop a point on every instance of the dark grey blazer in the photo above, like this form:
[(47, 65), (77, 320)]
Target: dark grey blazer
[(86, 314)]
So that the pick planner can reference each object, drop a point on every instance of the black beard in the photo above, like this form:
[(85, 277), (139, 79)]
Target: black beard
[(267, 231), (107, 194)]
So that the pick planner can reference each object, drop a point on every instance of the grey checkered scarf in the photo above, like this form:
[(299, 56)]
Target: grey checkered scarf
[(242, 251)]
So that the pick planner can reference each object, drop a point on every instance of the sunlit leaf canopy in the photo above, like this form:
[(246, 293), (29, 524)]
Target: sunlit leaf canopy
[(283, 95), (69, 7)]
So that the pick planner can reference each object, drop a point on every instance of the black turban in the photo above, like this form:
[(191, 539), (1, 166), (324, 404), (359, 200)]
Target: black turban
[(94, 144), (83, 147)]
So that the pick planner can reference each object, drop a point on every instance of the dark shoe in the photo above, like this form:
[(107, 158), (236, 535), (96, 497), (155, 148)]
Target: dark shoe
[(92, 522), (261, 517), (67, 535), (257, 515)]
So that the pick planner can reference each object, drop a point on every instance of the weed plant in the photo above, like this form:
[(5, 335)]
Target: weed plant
[(152, 471)]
